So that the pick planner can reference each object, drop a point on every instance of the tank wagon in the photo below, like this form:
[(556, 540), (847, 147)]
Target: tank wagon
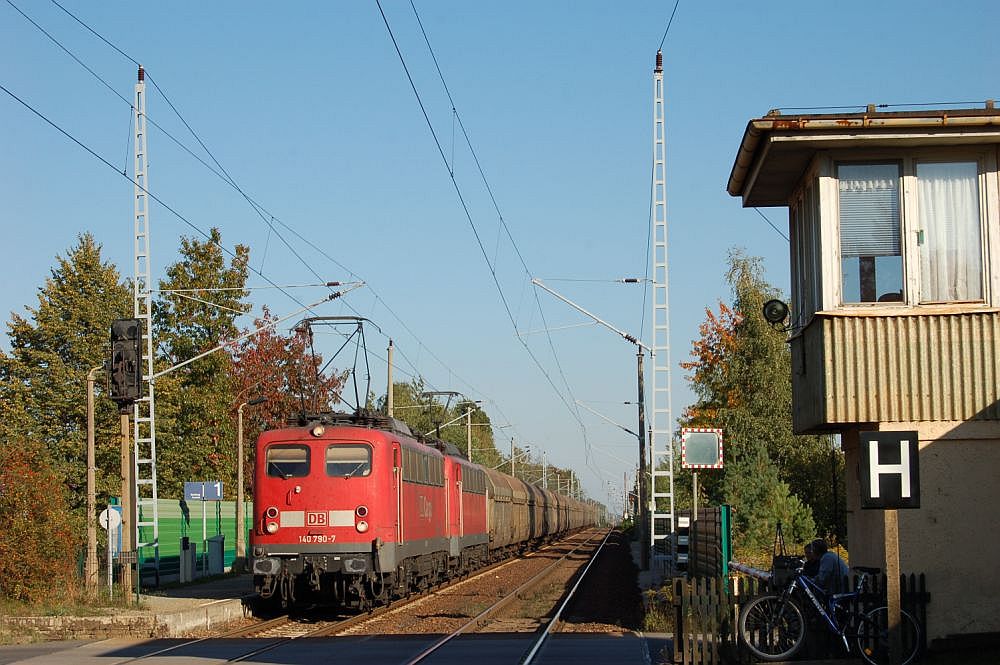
[(354, 510)]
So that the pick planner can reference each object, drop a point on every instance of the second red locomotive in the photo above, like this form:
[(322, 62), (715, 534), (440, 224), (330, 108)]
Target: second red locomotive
[(354, 510)]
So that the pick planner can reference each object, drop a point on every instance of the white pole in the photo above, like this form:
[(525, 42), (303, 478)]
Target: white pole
[(112, 536), (388, 392), (204, 531), (468, 433), (91, 566)]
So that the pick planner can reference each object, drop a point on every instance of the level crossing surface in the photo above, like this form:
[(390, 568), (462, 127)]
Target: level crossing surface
[(498, 649)]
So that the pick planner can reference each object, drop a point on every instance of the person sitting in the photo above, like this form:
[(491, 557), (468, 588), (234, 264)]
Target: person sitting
[(811, 565), (831, 575)]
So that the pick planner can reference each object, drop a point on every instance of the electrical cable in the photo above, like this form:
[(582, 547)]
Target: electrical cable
[(668, 23), (227, 178), (574, 412), (153, 196), (224, 175), (771, 224)]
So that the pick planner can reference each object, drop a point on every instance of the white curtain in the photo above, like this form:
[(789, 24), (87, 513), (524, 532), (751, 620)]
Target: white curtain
[(951, 253)]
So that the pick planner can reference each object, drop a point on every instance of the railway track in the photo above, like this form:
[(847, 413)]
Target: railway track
[(283, 629), (488, 615)]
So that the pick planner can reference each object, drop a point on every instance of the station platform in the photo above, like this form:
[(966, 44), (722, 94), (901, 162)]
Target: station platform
[(171, 612)]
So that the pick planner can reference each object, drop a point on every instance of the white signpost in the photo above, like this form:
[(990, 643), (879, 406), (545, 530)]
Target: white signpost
[(890, 479), (111, 520)]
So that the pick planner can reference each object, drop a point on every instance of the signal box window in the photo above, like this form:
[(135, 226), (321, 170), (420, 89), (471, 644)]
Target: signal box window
[(949, 238), (288, 461), (871, 257), (348, 461)]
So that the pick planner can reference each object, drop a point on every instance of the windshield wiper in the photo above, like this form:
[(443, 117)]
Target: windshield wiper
[(281, 472), (355, 469)]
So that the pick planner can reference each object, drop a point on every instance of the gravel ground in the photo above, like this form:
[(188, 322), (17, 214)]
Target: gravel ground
[(450, 608), (608, 600)]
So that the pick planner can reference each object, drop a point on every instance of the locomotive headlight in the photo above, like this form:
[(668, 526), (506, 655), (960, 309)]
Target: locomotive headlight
[(271, 512), (272, 527), (318, 430), (361, 511), (361, 526)]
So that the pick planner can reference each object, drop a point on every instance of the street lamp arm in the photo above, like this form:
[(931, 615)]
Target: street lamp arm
[(604, 417), (450, 422), (627, 337)]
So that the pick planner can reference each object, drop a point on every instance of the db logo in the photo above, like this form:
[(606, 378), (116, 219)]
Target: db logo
[(425, 509), (316, 519)]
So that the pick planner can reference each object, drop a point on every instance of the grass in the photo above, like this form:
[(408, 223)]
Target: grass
[(19, 635), (658, 616), (76, 604)]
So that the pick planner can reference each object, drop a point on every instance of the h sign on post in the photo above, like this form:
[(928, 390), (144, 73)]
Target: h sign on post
[(890, 470)]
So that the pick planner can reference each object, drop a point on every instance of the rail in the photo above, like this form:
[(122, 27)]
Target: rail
[(558, 615), (491, 611)]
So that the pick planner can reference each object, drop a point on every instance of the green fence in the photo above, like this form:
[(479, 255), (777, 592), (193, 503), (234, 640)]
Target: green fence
[(180, 519)]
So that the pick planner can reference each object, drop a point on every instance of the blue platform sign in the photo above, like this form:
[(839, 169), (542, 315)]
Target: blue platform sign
[(210, 490)]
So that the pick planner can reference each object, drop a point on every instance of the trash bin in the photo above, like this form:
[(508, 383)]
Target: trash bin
[(217, 555), (189, 558)]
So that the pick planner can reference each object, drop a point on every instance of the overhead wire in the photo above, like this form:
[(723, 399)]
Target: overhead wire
[(226, 177), (489, 189), (131, 106), (150, 194), (669, 22), (771, 224)]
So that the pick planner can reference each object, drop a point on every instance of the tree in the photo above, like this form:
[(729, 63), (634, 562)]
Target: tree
[(283, 371), (741, 373), (423, 413), (40, 536), (200, 300), (43, 380)]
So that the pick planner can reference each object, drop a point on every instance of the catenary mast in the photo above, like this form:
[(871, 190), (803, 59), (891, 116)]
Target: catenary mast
[(144, 423), (661, 493)]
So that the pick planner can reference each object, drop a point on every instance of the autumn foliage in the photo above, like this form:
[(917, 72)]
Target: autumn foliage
[(283, 370), (39, 540), (709, 372)]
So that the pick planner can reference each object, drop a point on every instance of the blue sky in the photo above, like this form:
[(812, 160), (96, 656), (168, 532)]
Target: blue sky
[(307, 106)]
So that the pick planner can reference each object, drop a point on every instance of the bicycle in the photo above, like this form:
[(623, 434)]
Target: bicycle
[(773, 625)]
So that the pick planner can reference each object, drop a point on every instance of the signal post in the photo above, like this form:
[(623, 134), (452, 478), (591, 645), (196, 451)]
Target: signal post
[(126, 388)]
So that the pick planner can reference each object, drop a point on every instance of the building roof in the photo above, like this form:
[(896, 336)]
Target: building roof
[(777, 148)]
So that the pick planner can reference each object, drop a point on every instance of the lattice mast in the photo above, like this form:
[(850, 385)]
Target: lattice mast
[(144, 424), (661, 495)]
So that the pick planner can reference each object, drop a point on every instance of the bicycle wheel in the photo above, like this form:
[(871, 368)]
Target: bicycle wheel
[(772, 627), (873, 637)]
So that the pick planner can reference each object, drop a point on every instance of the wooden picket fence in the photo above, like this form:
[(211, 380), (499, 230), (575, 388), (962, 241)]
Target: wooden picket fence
[(706, 611), (702, 621)]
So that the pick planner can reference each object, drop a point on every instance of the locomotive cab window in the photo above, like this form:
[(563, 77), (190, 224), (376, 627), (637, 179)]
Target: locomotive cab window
[(348, 460), (288, 461)]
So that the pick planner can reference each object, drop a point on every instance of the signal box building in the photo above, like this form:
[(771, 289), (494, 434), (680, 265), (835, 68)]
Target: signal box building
[(894, 221)]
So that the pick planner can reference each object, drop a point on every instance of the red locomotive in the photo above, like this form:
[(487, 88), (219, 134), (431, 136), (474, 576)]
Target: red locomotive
[(353, 510)]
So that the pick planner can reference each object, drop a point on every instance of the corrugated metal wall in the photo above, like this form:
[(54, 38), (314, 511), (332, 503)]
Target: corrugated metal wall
[(930, 367)]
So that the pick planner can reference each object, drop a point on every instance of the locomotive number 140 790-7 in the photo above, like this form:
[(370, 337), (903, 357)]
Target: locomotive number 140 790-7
[(317, 538)]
